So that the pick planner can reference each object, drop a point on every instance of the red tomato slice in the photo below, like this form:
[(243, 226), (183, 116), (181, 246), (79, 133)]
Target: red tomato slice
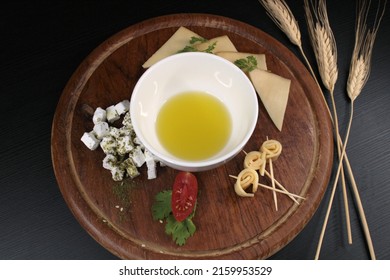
[(184, 193)]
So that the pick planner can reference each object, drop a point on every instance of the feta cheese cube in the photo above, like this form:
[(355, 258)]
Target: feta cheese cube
[(108, 145), (101, 129), (125, 131), (115, 132), (152, 173), (127, 121), (99, 115), (149, 156), (109, 162), (130, 168), (90, 140), (112, 114), (138, 142), (117, 173), (151, 165), (137, 156), (122, 107), (124, 145)]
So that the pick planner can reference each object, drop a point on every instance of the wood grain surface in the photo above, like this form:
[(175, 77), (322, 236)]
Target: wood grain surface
[(228, 226)]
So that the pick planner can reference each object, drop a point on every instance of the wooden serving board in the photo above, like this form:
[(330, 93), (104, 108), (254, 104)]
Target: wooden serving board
[(228, 226)]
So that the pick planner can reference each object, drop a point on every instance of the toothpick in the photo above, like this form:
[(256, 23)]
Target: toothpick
[(282, 187), (276, 190), (271, 169), (272, 152)]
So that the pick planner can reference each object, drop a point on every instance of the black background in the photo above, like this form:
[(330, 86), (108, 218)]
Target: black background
[(43, 42)]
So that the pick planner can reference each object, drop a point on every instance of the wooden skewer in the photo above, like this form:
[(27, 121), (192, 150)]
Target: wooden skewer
[(276, 190), (282, 187), (271, 169), (271, 154)]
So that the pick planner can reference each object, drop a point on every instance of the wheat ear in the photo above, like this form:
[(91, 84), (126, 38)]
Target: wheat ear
[(325, 50), (280, 13), (282, 16), (359, 73)]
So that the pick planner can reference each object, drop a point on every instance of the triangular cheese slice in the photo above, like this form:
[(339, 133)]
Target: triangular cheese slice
[(273, 91), (175, 43), (233, 56), (222, 44)]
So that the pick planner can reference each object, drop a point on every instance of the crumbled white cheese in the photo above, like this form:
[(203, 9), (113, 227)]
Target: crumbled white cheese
[(122, 107), (125, 131), (127, 121), (130, 168), (108, 145), (115, 132), (124, 151), (124, 145), (151, 164), (138, 142), (109, 161), (90, 140), (101, 129), (138, 156), (112, 114), (117, 173), (99, 115)]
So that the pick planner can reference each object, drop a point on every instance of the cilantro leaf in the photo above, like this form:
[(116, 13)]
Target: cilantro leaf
[(180, 231), (197, 40), (192, 48), (188, 49), (162, 206), (210, 48), (246, 64), (190, 226)]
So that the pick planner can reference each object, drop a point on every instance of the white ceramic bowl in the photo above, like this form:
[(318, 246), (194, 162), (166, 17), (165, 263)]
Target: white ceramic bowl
[(194, 71)]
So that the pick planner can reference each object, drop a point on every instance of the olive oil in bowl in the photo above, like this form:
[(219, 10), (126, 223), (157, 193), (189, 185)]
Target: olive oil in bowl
[(193, 125)]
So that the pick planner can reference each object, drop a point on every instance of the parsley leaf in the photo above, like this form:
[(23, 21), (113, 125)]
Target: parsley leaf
[(194, 40), (162, 207), (188, 49), (246, 64), (161, 210), (210, 48), (197, 40), (180, 231)]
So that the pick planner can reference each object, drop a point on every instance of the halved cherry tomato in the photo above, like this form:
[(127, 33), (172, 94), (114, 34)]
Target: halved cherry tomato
[(184, 193)]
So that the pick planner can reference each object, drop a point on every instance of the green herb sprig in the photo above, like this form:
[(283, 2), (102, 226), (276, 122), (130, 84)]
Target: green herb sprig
[(192, 43), (180, 231), (246, 64)]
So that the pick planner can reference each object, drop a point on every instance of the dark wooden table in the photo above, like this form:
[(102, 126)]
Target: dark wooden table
[(42, 45)]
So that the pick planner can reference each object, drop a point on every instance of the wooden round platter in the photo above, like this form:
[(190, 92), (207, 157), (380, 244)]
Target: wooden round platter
[(118, 216)]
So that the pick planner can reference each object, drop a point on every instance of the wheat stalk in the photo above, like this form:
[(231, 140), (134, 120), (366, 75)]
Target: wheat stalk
[(326, 54), (282, 16), (285, 20), (325, 50), (358, 76), (323, 42), (359, 73), (360, 67)]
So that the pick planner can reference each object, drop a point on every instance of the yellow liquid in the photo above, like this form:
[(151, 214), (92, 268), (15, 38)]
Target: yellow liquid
[(193, 125)]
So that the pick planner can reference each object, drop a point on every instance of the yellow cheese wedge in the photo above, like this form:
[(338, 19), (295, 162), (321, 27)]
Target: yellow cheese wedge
[(233, 56), (176, 42), (273, 91), (223, 44)]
